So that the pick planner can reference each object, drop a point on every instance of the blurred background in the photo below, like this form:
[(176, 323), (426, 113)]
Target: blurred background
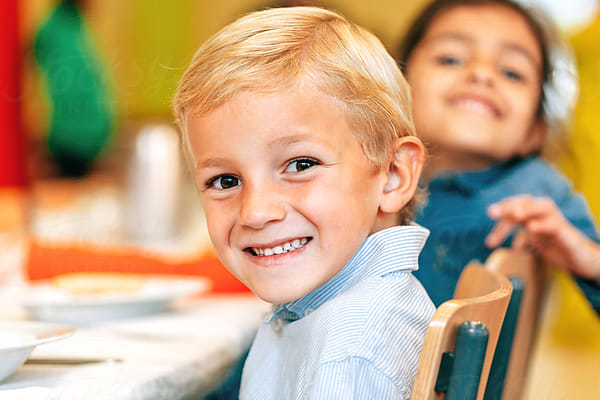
[(121, 183), (140, 48)]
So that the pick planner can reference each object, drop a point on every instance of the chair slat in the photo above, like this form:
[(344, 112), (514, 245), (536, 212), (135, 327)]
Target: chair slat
[(481, 295), (523, 267)]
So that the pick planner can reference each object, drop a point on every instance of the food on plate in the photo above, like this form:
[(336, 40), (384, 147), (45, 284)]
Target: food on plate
[(98, 282)]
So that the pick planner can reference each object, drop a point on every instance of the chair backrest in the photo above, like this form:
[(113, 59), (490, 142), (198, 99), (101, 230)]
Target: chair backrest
[(481, 296), (509, 367)]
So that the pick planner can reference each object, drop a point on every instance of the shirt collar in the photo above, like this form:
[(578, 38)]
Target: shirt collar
[(472, 181), (389, 250)]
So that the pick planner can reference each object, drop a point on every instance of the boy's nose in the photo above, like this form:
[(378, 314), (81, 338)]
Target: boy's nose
[(260, 206)]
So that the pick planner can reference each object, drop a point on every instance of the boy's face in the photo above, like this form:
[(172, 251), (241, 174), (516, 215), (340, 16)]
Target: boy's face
[(288, 192), (476, 79)]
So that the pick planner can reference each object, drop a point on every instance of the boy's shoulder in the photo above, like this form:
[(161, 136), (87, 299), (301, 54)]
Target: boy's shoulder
[(375, 310), (370, 319), (384, 288), (380, 322), (376, 295), (374, 329)]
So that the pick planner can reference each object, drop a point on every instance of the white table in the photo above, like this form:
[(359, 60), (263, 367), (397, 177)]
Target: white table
[(183, 354)]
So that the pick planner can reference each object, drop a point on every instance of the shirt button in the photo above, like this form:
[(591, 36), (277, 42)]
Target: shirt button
[(277, 325)]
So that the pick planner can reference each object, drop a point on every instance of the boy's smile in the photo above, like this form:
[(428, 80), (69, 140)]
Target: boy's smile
[(476, 87), (288, 192), (281, 248)]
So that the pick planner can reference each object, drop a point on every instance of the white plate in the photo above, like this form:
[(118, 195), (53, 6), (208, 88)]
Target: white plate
[(46, 302), (18, 339)]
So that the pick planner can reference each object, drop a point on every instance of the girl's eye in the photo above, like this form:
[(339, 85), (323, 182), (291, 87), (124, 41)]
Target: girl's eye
[(301, 164), (512, 75), (223, 182), (449, 60)]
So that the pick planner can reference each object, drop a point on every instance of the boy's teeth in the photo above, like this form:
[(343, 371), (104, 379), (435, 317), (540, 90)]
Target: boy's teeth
[(283, 248)]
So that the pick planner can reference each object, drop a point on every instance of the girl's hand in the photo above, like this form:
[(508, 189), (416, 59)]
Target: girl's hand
[(543, 229)]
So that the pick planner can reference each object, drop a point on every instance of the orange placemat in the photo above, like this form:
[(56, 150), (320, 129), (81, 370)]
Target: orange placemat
[(45, 260)]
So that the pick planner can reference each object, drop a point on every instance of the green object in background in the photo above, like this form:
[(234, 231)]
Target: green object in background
[(81, 116)]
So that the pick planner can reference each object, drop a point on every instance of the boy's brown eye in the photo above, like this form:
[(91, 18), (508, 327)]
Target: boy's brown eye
[(223, 182), (301, 164)]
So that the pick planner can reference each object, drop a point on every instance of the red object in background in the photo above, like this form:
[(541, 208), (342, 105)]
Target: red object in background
[(12, 143), (46, 260)]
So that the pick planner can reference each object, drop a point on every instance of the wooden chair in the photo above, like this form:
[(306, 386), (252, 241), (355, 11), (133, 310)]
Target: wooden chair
[(509, 367), (479, 304)]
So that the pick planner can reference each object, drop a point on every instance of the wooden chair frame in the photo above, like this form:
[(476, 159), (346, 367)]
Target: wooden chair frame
[(481, 295), (523, 265)]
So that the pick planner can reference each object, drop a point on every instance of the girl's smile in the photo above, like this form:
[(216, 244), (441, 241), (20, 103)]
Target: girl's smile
[(476, 87), (475, 104)]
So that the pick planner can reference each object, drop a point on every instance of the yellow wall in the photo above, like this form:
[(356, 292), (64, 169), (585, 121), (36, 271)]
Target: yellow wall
[(585, 141)]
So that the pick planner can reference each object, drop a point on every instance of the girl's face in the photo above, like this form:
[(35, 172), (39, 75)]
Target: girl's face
[(476, 79)]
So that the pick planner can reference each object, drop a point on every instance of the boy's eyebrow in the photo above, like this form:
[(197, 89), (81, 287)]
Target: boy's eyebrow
[(211, 162), (289, 140), (279, 142)]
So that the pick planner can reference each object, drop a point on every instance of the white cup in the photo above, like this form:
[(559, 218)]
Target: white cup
[(154, 189)]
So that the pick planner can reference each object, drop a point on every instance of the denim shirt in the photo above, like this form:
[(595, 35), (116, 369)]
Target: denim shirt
[(456, 214)]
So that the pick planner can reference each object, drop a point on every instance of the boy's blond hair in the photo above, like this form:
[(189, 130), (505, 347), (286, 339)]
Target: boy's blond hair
[(276, 48)]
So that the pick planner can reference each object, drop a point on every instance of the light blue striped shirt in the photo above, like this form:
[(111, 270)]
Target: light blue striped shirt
[(359, 336)]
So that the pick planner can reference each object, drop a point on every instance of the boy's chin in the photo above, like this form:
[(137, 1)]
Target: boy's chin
[(275, 298), (278, 295)]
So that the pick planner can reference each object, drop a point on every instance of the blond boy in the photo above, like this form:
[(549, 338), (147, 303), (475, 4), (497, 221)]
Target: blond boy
[(296, 124)]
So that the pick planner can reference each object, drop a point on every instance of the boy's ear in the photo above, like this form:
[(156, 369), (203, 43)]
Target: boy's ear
[(534, 141), (403, 174)]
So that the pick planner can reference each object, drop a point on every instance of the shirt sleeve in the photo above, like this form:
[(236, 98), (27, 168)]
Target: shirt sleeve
[(354, 379), (575, 209)]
